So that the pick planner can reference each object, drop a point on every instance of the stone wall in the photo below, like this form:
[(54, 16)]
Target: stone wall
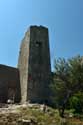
[(39, 65), (9, 84), (23, 66)]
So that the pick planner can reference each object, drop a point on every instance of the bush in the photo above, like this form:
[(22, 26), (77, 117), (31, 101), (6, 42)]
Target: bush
[(76, 102)]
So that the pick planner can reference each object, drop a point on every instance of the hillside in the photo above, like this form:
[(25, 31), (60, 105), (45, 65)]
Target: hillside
[(31, 115)]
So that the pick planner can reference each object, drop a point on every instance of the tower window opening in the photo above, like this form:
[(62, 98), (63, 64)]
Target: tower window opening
[(38, 44)]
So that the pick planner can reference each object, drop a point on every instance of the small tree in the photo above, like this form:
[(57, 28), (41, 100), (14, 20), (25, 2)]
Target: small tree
[(68, 80)]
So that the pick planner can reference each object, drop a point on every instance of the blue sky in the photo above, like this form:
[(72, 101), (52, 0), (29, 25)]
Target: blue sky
[(64, 18)]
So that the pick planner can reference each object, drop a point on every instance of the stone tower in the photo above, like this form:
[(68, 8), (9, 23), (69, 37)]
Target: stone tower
[(34, 65)]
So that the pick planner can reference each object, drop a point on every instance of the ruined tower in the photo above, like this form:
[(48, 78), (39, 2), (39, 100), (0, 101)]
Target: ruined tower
[(34, 65)]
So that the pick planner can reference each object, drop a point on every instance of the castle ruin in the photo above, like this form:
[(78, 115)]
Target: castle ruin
[(31, 79)]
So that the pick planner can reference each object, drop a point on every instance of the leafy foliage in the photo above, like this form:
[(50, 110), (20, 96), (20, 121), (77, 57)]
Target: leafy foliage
[(68, 80), (76, 102)]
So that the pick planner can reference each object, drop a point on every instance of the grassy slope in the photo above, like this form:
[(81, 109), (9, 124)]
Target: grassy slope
[(50, 117)]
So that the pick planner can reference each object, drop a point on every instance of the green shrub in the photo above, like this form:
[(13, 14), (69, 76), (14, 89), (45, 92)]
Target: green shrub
[(76, 102)]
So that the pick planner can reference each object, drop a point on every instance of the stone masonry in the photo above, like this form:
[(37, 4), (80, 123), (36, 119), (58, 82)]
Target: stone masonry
[(30, 80), (34, 65), (9, 84)]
